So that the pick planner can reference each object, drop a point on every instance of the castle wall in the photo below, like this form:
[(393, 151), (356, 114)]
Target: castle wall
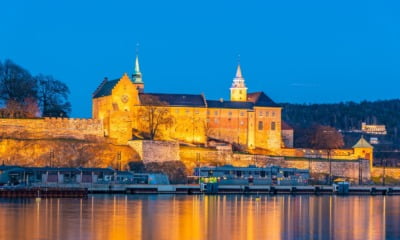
[(156, 151), (189, 124), (268, 128), (228, 124), (378, 172), (44, 128)]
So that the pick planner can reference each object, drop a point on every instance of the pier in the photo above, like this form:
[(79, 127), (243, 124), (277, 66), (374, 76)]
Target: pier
[(241, 189), (43, 192)]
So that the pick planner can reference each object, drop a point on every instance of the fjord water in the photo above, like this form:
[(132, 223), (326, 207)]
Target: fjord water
[(202, 217)]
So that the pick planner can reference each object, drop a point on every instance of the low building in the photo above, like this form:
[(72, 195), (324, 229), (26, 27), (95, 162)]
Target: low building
[(231, 175), (373, 129)]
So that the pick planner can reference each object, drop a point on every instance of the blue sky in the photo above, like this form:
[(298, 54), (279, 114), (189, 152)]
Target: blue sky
[(295, 51)]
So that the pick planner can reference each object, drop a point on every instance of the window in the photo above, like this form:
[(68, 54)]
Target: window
[(267, 114), (215, 113), (260, 125), (177, 111), (241, 122), (260, 114), (230, 113), (187, 111), (273, 114), (273, 126), (241, 114), (196, 112), (216, 120)]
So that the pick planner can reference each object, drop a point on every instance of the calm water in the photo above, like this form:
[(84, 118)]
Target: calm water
[(202, 217)]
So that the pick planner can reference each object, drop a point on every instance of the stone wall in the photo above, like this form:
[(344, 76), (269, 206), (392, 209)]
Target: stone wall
[(378, 172), (65, 153), (156, 151), (45, 128)]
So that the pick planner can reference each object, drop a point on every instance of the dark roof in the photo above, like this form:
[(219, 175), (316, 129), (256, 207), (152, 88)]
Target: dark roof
[(286, 126), (261, 100), (191, 100), (229, 104), (105, 88)]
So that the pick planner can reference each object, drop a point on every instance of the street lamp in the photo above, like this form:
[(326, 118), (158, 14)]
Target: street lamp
[(51, 157), (384, 171), (359, 172)]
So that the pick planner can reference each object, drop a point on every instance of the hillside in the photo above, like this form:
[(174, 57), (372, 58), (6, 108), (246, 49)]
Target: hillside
[(346, 116)]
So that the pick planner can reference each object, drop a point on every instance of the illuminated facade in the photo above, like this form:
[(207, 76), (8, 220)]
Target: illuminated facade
[(373, 129), (252, 120)]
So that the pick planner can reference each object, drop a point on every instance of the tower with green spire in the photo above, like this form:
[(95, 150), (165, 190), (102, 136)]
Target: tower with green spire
[(137, 76)]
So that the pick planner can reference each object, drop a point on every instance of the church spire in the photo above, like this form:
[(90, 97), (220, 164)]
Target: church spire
[(137, 68), (137, 75)]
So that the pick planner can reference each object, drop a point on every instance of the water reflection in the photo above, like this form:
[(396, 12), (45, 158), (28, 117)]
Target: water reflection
[(202, 217)]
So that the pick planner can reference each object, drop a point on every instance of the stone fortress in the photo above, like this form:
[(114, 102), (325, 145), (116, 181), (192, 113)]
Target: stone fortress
[(250, 120)]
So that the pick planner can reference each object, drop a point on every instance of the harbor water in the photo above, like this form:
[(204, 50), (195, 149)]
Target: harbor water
[(202, 217)]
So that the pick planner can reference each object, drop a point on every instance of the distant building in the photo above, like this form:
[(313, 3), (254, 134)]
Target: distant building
[(373, 129), (373, 140)]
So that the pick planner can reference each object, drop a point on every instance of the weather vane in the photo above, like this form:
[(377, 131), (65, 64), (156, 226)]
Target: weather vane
[(137, 48)]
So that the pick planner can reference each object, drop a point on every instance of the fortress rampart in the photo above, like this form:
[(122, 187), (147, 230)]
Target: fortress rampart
[(45, 128)]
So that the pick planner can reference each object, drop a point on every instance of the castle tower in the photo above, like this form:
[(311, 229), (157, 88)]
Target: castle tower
[(238, 89), (137, 76)]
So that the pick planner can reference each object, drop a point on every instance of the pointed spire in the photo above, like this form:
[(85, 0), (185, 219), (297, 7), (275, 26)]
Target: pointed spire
[(239, 72), (137, 68), (137, 75)]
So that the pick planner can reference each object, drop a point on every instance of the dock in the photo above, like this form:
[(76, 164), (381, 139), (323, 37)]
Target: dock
[(83, 191), (59, 192), (242, 189)]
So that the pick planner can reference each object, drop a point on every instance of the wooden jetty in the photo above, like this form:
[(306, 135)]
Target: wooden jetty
[(10, 192), (242, 189), (82, 191)]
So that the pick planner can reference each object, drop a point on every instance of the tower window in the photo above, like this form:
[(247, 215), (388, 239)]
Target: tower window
[(230, 113), (260, 125), (273, 126), (260, 114), (273, 114)]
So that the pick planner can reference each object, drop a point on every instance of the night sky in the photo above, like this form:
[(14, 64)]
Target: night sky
[(295, 51)]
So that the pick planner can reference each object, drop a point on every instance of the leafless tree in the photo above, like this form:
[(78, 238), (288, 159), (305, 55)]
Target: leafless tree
[(153, 115)]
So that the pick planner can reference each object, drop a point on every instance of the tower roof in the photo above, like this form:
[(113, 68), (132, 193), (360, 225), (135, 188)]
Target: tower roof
[(239, 72), (238, 81), (137, 75), (137, 68), (362, 143)]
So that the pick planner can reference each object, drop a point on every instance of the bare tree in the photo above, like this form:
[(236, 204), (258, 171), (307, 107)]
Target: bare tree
[(53, 97), (16, 83), (326, 137), (153, 115)]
